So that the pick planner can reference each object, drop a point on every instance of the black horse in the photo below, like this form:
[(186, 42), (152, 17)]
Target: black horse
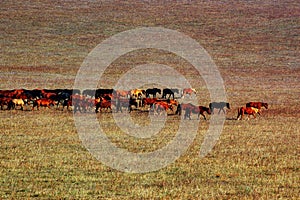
[(170, 92), (153, 92), (218, 105)]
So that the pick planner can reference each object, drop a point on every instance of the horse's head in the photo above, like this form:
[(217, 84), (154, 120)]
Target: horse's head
[(265, 105)]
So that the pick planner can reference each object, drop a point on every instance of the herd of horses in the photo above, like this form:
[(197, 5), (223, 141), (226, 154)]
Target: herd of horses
[(105, 100)]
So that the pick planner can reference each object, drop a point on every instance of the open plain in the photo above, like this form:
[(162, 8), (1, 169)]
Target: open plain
[(255, 45)]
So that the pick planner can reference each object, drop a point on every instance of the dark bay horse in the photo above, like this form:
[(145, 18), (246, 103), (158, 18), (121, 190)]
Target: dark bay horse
[(190, 108), (218, 105), (170, 92), (153, 92)]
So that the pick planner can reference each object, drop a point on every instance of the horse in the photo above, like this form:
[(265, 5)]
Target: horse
[(247, 110), (103, 103), (170, 92), (137, 93), (49, 94), (190, 108), (188, 91), (122, 93), (219, 105), (16, 102), (161, 106), (42, 102), (34, 94), (153, 92), (103, 92), (132, 102), (61, 97), (68, 103), (5, 101), (258, 105), (148, 101)]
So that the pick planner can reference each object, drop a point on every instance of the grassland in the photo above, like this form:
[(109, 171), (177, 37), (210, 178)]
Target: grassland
[(256, 48)]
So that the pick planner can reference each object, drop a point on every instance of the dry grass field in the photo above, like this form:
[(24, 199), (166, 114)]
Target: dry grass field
[(255, 45)]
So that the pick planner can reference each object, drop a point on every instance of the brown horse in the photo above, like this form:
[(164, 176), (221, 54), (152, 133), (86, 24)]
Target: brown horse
[(103, 103), (160, 106), (190, 108), (188, 91), (42, 102), (148, 101), (247, 110), (5, 101), (257, 105), (48, 94)]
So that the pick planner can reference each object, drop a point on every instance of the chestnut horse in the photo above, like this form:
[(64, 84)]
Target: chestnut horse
[(188, 91), (247, 110), (148, 101), (257, 105), (103, 103), (42, 102), (160, 106)]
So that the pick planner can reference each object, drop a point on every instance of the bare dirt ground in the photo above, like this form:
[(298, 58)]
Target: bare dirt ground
[(255, 45)]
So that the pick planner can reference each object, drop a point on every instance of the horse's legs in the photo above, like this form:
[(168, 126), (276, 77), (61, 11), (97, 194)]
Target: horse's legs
[(222, 110), (239, 116), (201, 113), (187, 114), (219, 111)]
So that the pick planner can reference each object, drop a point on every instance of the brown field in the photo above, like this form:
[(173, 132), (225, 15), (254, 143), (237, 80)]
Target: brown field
[(255, 45)]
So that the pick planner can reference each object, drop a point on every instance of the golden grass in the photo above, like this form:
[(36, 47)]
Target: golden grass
[(255, 46)]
